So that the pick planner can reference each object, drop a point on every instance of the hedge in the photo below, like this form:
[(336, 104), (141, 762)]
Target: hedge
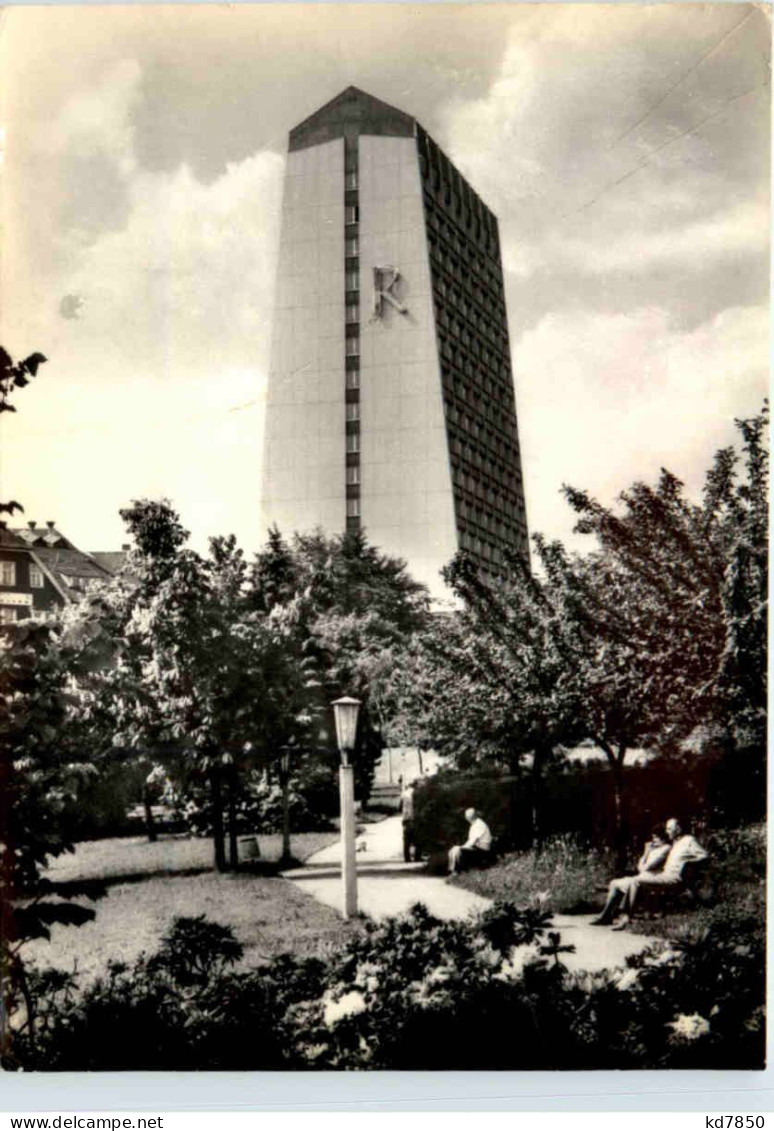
[(577, 799)]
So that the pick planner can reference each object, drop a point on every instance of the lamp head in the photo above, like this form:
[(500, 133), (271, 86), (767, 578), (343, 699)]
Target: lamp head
[(345, 713)]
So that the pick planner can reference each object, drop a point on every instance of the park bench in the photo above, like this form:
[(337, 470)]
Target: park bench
[(695, 888)]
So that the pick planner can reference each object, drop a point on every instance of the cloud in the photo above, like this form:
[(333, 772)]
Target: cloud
[(606, 399), (185, 285), (157, 386), (669, 172), (97, 119), (733, 232)]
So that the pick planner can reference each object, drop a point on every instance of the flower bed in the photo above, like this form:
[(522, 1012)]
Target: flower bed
[(411, 993)]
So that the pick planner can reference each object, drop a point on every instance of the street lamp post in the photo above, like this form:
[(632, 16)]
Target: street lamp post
[(345, 712)]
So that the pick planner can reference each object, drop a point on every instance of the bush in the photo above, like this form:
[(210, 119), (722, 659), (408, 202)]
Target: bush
[(440, 803), (407, 994), (564, 875)]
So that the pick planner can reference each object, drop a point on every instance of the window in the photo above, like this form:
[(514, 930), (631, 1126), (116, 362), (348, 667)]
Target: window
[(352, 280), (351, 214), (353, 378), (353, 411), (353, 476), (353, 508), (351, 180), (353, 347), (36, 577), (352, 246), (7, 573), (353, 312), (7, 615), (353, 442)]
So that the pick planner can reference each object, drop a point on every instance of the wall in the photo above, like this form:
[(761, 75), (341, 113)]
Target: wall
[(303, 482), (406, 497)]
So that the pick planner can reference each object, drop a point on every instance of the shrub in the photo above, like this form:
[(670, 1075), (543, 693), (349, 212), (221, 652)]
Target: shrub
[(407, 994)]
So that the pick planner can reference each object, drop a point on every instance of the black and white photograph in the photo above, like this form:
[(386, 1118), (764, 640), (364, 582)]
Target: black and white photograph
[(383, 537)]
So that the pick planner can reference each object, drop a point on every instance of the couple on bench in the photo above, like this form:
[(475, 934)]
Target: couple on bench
[(660, 866)]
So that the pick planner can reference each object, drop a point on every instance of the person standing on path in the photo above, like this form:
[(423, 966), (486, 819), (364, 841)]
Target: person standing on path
[(477, 849)]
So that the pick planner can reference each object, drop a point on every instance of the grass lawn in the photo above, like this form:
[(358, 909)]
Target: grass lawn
[(150, 884), (570, 880)]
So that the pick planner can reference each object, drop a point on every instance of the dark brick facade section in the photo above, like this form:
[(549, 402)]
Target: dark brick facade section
[(42, 598), (474, 354), (348, 115)]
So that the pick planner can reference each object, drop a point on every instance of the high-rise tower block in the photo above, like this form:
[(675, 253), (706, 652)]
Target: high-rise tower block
[(390, 399)]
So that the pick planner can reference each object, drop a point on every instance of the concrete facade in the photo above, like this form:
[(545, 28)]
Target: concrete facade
[(390, 400)]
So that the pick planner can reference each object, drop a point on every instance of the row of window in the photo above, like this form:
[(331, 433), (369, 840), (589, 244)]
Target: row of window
[(460, 264), (478, 306), (479, 385), (482, 417), (476, 545), (469, 325), (474, 450), (493, 524), (457, 194), (352, 334), (471, 352), (481, 487), (8, 575), (457, 239)]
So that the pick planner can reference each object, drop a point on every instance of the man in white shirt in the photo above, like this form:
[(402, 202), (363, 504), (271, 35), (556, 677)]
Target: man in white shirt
[(622, 893), (477, 849)]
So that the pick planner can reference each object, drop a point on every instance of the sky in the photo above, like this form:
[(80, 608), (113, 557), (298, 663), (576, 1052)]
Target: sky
[(624, 148)]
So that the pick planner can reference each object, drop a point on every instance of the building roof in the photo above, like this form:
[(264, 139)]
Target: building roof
[(9, 539), (46, 536), (111, 560), (349, 114), (72, 571)]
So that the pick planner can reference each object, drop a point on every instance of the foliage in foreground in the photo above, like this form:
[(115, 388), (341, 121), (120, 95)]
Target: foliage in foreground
[(408, 994)]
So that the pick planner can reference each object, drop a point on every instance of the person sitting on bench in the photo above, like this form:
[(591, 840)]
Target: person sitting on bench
[(622, 894), (477, 849)]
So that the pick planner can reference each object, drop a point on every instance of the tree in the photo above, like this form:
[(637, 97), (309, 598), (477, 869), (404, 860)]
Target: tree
[(196, 675), (348, 604), (13, 376), (688, 585), (662, 628), (42, 767), (493, 683)]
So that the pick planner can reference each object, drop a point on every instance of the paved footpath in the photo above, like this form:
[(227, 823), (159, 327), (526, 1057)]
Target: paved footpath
[(387, 886)]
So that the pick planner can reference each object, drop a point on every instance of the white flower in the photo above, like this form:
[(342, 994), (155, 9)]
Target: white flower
[(512, 970), (367, 975), (667, 957), (627, 980), (347, 1006), (439, 975), (689, 1027)]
